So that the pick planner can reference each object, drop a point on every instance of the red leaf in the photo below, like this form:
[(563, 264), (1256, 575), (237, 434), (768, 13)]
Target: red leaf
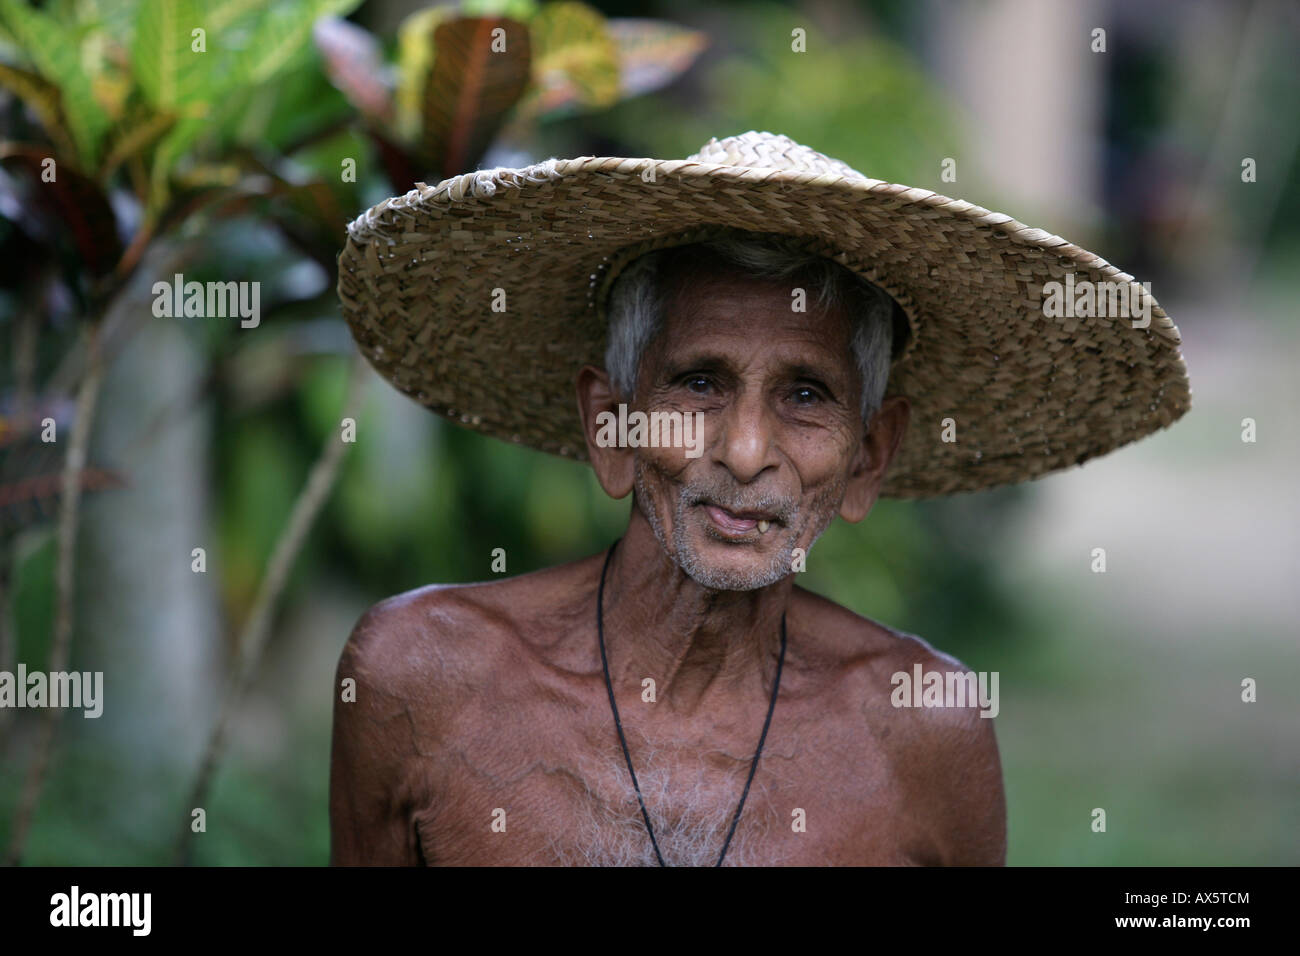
[(72, 203)]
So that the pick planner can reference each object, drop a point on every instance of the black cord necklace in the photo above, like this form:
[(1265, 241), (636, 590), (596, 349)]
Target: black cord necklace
[(618, 724)]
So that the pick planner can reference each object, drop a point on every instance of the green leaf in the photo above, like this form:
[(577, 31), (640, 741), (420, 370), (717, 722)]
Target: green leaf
[(45, 42), (116, 18), (333, 8), (168, 69), (575, 60), (44, 99), (473, 85), (167, 157), (134, 137), (512, 9), (219, 16), (283, 32), (300, 106)]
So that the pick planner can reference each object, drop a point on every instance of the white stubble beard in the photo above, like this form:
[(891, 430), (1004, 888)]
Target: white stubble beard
[(689, 560)]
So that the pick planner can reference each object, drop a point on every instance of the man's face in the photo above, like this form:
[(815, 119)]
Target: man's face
[(780, 397)]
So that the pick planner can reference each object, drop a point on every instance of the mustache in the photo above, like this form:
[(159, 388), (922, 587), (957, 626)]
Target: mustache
[(736, 499)]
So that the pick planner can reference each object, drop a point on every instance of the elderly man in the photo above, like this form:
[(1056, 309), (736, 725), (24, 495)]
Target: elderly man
[(677, 699)]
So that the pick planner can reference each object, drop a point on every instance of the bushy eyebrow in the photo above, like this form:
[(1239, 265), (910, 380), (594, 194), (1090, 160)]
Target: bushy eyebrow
[(825, 375), (817, 373), (695, 362)]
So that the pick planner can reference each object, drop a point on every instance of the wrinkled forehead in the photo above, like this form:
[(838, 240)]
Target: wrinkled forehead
[(713, 303)]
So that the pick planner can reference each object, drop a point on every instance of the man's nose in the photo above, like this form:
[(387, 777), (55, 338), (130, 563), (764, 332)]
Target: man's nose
[(746, 445)]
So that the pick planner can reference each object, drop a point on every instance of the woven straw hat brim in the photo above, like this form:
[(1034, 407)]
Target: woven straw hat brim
[(1026, 393)]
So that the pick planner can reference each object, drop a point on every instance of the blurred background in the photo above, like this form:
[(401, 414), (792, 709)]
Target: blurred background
[(1165, 143)]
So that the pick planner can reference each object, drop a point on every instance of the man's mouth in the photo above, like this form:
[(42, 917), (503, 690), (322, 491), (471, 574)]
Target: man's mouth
[(738, 524)]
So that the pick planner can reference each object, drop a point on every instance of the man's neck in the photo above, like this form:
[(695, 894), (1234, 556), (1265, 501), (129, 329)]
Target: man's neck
[(696, 643)]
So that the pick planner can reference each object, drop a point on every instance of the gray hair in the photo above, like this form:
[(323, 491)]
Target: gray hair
[(639, 296)]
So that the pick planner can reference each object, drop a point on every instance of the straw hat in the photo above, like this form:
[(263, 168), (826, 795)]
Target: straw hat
[(481, 298)]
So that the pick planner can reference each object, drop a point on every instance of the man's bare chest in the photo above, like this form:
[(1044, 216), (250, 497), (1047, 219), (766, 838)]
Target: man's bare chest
[(535, 792)]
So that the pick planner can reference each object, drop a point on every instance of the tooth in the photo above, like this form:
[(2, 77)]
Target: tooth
[(763, 526)]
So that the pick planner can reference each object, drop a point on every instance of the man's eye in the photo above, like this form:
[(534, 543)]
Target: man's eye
[(697, 383), (806, 396)]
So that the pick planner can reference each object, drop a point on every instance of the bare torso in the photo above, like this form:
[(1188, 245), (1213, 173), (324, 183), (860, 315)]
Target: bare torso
[(481, 734)]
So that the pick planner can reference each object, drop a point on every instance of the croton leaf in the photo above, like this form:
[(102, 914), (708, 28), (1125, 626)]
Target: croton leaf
[(308, 212), (132, 137), (575, 60), (480, 70), (70, 201), (167, 66), (218, 16), (31, 474), (26, 501), (415, 53), (171, 147), (283, 31), (652, 53), (31, 470), (399, 163), (354, 64), (45, 101), (51, 47)]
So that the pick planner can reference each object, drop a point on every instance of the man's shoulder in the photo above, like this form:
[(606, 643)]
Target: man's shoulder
[(865, 645), (452, 631), (867, 655), (414, 639)]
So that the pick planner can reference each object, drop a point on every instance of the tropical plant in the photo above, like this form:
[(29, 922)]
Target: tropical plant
[(131, 124), (465, 78)]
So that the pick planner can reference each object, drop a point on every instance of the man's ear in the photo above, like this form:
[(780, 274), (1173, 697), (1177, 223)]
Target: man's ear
[(614, 466), (883, 437)]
